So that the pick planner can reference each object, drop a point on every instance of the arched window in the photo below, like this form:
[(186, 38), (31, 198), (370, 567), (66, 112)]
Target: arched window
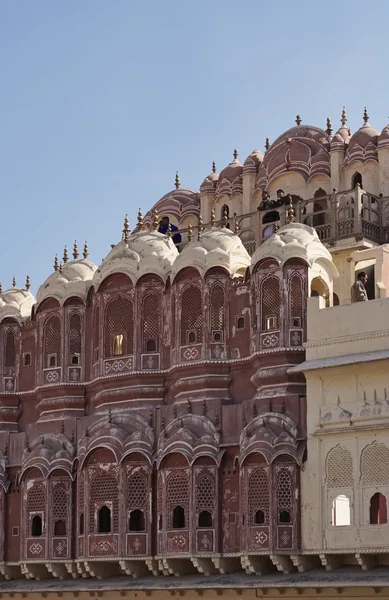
[(10, 350), (259, 517), (151, 308), (104, 493), (52, 342), (81, 524), (178, 519), (335, 299), (36, 526), (341, 513), (225, 211), (191, 316), (284, 496), (270, 297), (60, 527), (137, 520), (205, 519), (357, 178), (74, 338), (296, 301), (27, 359), (217, 311), (104, 520), (258, 496), (378, 509), (96, 333), (119, 327), (240, 323)]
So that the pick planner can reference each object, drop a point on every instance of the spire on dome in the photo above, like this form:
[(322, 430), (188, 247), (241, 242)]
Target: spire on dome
[(169, 230), (236, 228), (65, 257), (85, 253), (14, 281), (235, 154), (267, 144), (200, 227), (28, 283), (190, 232), (213, 218), (60, 267), (343, 119), (75, 250), (56, 263), (177, 181), (140, 220), (126, 228), (109, 418), (155, 220), (213, 167), (329, 126), (365, 116), (1, 289), (225, 217), (298, 120)]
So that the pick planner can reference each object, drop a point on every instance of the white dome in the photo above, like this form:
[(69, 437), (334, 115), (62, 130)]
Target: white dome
[(144, 252), (295, 241), (218, 247), (16, 303), (75, 280)]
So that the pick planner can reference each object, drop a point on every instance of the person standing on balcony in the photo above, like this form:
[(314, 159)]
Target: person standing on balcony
[(163, 227), (358, 290)]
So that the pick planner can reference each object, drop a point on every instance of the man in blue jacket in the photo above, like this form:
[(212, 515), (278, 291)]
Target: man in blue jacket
[(163, 227)]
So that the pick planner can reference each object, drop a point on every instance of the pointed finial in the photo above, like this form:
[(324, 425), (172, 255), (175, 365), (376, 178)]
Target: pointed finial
[(225, 218), (155, 220), (236, 228), (28, 282), (213, 218), (75, 251), (169, 230), (26, 443), (56, 263), (365, 116), (343, 119), (65, 257), (213, 167), (174, 411), (189, 406), (291, 217), (329, 126), (267, 144), (126, 228), (190, 232), (60, 267), (140, 220), (177, 181), (1, 289), (42, 441), (85, 253), (14, 281), (109, 418), (6, 449), (298, 120), (200, 227), (204, 408), (151, 420), (62, 430), (235, 154)]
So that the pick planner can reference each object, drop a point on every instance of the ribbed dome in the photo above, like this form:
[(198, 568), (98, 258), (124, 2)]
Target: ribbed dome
[(364, 136), (209, 183), (252, 162), (144, 252), (232, 171), (383, 140), (217, 247), (16, 303), (73, 280)]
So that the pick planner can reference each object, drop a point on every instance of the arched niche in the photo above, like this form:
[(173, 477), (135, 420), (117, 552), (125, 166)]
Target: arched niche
[(74, 301), (100, 456), (116, 282), (320, 288), (48, 304)]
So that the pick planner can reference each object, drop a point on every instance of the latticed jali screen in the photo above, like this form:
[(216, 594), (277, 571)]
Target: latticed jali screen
[(75, 334), (296, 300), (284, 491), (205, 492), (52, 337), (270, 298), (10, 350), (137, 491), (60, 505), (217, 308), (104, 491), (339, 468), (191, 314), (375, 465), (258, 495), (151, 307), (119, 320)]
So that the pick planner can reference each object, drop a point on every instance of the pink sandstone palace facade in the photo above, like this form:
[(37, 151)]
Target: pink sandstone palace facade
[(153, 416)]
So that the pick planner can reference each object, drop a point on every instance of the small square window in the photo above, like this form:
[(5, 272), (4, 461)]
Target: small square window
[(15, 531), (191, 337), (296, 322), (52, 360), (27, 359), (217, 336), (240, 323)]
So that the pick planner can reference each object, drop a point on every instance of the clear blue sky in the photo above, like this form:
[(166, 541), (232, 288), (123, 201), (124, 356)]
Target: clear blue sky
[(101, 101)]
